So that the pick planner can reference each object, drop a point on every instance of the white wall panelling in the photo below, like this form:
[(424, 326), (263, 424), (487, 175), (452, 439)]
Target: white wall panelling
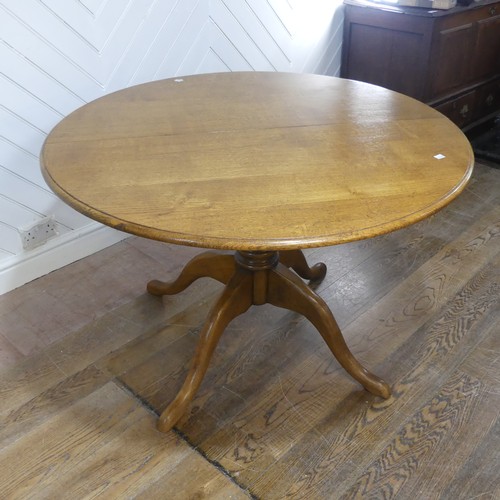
[(56, 55)]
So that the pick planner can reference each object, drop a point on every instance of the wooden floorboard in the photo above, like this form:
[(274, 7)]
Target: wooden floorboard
[(87, 358)]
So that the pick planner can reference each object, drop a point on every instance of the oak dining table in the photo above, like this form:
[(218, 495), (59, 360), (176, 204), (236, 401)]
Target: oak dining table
[(264, 164)]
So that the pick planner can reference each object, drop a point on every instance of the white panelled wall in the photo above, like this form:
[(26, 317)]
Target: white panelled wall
[(56, 55)]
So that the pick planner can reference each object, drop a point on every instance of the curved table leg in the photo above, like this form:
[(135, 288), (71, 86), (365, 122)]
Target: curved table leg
[(257, 278), (288, 291), (296, 260), (235, 300), (205, 265)]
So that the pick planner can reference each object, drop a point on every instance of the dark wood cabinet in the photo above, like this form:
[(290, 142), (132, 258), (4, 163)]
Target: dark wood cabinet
[(449, 59)]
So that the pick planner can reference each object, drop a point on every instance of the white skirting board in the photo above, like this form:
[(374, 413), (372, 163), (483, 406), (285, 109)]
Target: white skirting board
[(56, 253)]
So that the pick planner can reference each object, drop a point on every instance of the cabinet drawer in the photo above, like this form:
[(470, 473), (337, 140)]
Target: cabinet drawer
[(461, 110), (488, 99)]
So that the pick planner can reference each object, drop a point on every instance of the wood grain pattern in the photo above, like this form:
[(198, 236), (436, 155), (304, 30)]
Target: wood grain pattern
[(440, 420), (276, 416), (257, 161), (56, 56)]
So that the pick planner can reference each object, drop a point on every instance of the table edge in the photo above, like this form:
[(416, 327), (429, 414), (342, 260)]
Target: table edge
[(256, 244)]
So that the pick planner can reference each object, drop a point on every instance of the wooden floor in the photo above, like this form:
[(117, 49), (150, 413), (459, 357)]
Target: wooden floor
[(87, 358)]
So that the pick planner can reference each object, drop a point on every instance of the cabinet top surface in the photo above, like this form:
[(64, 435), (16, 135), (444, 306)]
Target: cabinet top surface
[(417, 11), (253, 161)]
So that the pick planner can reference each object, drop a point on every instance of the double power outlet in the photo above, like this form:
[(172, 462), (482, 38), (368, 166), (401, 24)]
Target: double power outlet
[(37, 233)]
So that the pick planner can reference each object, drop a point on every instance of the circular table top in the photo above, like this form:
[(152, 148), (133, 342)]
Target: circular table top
[(256, 161)]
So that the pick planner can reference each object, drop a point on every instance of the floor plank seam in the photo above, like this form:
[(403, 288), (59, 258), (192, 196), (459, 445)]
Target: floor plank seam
[(122, 385), (184, 437), (215, 464)]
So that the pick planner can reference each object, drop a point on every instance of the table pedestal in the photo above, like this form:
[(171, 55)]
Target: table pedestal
[(256, 278)]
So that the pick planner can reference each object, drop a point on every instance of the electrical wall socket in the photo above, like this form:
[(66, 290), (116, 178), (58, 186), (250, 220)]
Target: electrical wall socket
[(37, 233)]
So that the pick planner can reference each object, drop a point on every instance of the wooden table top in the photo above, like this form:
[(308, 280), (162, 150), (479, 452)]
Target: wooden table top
[(256, 161)]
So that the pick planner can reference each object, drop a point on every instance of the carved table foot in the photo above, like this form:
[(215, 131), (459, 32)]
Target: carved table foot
[(255, 278), (296, 260), (205, 265)]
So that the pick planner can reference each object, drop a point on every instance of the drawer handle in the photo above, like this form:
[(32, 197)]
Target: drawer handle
[(464, 110), (490, 99), (493, 11)]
